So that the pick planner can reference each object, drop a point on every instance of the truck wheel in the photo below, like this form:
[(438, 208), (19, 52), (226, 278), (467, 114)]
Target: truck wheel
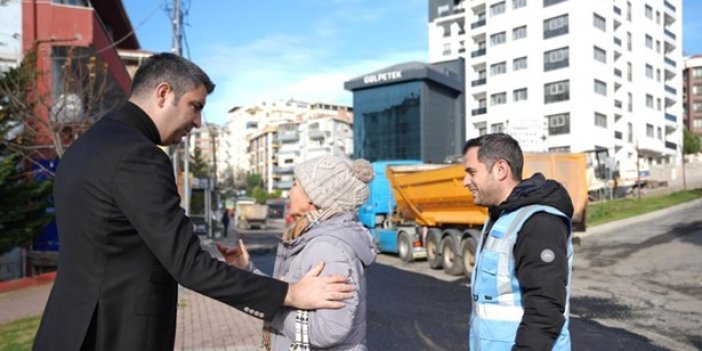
[(468, 254), (451, 259), (404, 247), (432, 246)]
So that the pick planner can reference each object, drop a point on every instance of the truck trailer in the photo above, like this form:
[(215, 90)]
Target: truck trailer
[(420, 210)]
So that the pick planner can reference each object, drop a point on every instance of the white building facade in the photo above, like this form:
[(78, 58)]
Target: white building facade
[(567, 75), (268, 138)]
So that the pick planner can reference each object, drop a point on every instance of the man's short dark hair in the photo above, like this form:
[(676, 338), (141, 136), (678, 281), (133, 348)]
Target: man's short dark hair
[(495, 147), (181, 74)]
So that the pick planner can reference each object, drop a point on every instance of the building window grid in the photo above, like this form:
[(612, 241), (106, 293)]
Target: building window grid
[(497, 9), (557, 91), (649, 71), (600, 87), (649, 130), (600, 120), (648, 11), (649, 41), (599, 22), (518, 4), (498, 68), (519, 63), (498, 99), (557, 58), (519, 32), (558, 124), (556, 26), (498, 38), (600, 54), (520, 95), (649, 100)]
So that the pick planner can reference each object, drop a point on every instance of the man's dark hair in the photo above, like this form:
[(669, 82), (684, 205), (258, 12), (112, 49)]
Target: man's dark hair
[(181, 74), (495, 147)]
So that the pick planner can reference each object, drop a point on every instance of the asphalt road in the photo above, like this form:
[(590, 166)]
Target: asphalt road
[(636, 287)]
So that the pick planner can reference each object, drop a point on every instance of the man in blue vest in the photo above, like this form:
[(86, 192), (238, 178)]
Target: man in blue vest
[(521, 281)]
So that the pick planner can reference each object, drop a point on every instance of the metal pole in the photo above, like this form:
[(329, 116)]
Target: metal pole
[(178, 50)]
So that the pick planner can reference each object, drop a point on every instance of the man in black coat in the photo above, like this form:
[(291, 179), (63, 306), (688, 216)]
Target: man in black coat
[(125, 241)]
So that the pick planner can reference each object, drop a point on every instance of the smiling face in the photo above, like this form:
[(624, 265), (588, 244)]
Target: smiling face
[(182, 116), (481, 181)]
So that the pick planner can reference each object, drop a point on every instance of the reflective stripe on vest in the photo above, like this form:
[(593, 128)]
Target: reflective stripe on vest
[(497, 306)]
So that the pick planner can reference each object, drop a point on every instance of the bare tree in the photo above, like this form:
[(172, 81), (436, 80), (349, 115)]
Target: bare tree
[(52, 109)]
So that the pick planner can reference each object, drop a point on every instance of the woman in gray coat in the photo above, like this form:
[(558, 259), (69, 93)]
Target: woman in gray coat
[(326, 193)]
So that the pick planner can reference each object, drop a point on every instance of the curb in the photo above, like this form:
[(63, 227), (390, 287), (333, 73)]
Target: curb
[(26, 282), (627, 222)]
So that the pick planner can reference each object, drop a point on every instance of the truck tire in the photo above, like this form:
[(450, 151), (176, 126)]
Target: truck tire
[(404, 247), (432, 247), (468, 255), (451, 260)]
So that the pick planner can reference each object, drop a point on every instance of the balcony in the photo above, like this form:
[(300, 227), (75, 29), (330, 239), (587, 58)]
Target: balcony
[(671, 118), (670, 96), (669, 13), (461, 50), (551, 2), (477, 24), (671, 90), (318, 134), (478, 53), (555, 32), (550, 66), (478, 82), (479, 111), (288, 137), (671, 145), (283, 170), (669, 34), (617, 10)]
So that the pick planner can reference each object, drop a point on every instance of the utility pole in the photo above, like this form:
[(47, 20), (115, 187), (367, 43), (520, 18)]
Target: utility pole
[(178, 50)]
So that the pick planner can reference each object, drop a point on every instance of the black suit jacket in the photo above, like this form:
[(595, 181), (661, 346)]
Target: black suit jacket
[(126, 244)]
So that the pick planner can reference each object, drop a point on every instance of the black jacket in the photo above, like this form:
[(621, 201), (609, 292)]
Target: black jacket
[(126, 244), (543, 284)]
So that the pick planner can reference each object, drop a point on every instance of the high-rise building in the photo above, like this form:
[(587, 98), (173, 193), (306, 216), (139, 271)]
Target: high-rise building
[(566, 75), (692, 94)]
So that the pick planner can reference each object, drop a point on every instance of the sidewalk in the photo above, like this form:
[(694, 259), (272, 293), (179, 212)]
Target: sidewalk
[(203, 324)]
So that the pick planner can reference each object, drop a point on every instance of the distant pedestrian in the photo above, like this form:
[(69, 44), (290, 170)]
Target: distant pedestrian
[(521, 280), (326, 193), (226, 215), (126, 243)]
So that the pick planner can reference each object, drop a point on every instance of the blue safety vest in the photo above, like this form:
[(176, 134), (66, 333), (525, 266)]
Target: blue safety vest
[(497, 297)]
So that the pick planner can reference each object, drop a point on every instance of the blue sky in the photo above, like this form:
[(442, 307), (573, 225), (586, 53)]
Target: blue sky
[(303, 49)]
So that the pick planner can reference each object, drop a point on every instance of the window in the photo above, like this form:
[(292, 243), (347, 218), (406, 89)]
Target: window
[(557, 91), (658, 104), (447, 49), (498, 99), (482, 131), (628, 41), (649, 12), (497, 39), (519, 33), (629, 102), (497, 128), (551, 2), (518, 3), (599, 22), (600, 55), (600, 87), (658, 17), (659, 134), (697, 72), (658, 46), (600, 120), (497, 9), (519, 63), (697, 89), (628, 11), (628, 71), (649, 130), (649, 42), (697, 107), (520, 95), (649, 100), (558, 124), (556, 26), (649, 71), (559, 149), (498, 68), (555, 59), (697, 123), (658, 74)]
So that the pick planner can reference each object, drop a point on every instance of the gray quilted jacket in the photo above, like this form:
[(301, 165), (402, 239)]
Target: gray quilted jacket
[(346, 248)]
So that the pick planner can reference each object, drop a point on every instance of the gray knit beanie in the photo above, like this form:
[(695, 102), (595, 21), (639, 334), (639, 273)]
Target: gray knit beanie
[(335, 182)]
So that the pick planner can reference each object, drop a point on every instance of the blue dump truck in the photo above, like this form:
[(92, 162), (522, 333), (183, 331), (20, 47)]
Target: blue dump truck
[(418, 210)]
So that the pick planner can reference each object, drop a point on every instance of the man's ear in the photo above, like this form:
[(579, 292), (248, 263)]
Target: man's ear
[(162, 91), (502, 170)]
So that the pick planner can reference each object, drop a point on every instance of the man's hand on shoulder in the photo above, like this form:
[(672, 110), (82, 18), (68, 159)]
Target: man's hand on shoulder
[(313, 292)]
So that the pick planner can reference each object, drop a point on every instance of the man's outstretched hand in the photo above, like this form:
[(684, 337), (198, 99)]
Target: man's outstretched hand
[(313, 292)]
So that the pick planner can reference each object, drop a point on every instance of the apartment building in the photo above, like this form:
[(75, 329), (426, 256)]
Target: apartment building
[(566, 75), (692, 94), (268, 137)]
